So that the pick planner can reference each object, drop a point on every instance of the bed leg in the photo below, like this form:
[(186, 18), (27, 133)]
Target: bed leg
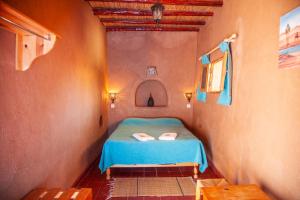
[(108, 174), (195, 171)]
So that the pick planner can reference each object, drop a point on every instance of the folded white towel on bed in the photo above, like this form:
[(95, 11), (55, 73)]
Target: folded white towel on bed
[(167, 136), (143, 137)]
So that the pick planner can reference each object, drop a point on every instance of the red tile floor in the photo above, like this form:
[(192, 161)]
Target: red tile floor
[(97, 181)]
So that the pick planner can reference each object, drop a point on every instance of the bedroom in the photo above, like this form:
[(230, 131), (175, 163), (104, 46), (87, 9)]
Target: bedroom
[(57, 113)]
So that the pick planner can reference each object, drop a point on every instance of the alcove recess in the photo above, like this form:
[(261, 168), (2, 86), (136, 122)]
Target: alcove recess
[(157, 90), (32, 39)]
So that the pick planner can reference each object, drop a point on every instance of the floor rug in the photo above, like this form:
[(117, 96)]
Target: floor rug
[(152, 186)]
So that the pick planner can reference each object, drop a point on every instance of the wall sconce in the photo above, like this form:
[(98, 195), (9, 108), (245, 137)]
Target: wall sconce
[(188, 96), (157, 12), (112, 97)]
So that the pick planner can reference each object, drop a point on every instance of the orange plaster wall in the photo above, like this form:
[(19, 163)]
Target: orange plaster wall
[(50, 113), (256, 140), (129, 54)]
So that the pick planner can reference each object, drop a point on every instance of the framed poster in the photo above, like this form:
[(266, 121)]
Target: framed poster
[(289, 39)]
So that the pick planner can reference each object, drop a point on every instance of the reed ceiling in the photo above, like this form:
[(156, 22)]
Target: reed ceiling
[(136, 15)]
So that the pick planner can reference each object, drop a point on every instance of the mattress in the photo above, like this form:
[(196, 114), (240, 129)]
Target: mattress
[(122, 149)]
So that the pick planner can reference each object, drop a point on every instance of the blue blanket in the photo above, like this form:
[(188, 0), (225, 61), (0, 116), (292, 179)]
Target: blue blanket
[(122, 148)]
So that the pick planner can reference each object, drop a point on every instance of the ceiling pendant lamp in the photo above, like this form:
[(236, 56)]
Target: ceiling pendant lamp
[(157, 12)]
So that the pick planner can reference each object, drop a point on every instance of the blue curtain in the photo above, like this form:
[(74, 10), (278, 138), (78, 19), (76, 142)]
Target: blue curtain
[(201, 96), (225, 95)]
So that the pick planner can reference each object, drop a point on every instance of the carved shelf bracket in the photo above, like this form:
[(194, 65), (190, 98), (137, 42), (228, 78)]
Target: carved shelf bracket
[(32, 39)]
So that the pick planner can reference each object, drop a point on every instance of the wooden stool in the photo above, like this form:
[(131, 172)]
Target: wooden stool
[(59, 194), (234, 192), (208, 183)]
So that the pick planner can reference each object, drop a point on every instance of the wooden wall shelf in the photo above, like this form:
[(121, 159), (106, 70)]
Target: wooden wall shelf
[(32, 39)]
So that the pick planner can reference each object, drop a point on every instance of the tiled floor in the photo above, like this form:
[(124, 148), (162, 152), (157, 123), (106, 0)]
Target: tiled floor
[(97, 181)]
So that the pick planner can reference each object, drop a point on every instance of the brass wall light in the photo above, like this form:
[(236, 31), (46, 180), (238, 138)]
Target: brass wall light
[(188, 96), (112, 97)]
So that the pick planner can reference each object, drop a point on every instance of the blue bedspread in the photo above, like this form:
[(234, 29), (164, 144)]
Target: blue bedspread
[(122, 148)]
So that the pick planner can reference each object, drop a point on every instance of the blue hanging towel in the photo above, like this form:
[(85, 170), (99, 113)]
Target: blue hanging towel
[(205, 59), (225, 95), (201, 96)]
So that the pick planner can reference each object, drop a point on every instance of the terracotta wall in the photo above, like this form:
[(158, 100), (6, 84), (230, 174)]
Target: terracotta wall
[(50, 113), (256, 140), (129, 54)]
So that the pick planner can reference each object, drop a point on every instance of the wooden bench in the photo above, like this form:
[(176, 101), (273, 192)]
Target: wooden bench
[(234, 192), (59, 194), (208, 183)]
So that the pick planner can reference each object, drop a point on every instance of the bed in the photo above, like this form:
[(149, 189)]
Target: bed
[(122, 150)]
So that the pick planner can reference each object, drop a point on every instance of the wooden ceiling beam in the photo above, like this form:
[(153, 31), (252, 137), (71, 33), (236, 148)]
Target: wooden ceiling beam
[(135, 12), (150, 21), (145, 28), (215, 3)]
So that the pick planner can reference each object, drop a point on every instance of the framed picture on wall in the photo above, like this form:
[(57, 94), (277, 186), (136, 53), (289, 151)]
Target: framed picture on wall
[(289, 39), (216, 75), (204, 78)]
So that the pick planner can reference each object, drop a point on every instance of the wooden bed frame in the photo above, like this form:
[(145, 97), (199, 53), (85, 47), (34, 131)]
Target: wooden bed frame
[(195, 165)]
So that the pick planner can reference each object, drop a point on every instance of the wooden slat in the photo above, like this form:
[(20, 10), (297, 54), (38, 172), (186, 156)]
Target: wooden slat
[(34, 194), (59, 194), (215, 3), (141, 28), (150, 21), (85, 193), (68, 194), (135, 12), (20, 23), (51, 194)]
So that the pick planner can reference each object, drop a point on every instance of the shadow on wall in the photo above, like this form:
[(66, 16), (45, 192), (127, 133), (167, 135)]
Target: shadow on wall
[(90, 151), (270, 192), (92, 154), (204, 137)]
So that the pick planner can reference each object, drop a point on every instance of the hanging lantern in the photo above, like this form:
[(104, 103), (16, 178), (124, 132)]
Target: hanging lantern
[(157, 12)]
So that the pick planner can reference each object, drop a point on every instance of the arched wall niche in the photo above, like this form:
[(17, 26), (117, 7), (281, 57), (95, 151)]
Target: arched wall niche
[(153, 87)]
